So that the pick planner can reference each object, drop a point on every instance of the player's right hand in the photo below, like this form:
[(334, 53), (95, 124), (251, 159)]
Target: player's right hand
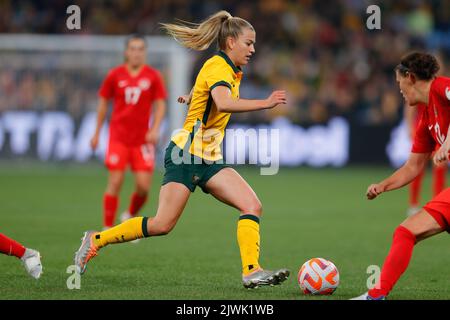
[(374, 190), (94, 142), (277, 97)]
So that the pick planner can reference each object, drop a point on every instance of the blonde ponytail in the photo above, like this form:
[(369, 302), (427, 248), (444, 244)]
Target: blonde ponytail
[(199, 37)]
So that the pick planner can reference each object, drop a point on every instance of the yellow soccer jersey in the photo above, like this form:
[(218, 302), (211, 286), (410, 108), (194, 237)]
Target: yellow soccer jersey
[(204, 128)]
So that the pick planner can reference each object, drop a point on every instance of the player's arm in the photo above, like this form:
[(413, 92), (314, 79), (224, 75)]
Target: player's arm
[(226, 103), (442, 155), (186, 98), (411, 169), (159, 110), (102, 109), (443, 91)]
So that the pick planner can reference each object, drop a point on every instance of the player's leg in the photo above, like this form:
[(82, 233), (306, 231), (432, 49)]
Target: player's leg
[(11, 247), (116, 160), (229, 187), (172, 201), (414, 229), (139, 197), (31, 259), (143, 182), (431, 220), (414, 194), (439, 178), (111, 197), (142, 161)]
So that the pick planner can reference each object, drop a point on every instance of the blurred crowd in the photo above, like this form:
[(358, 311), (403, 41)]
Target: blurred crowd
[(321, 52)]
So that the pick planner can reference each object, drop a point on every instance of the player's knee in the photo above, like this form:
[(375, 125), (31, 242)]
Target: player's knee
[(253, 207), (142, 190), (161, 229), (113, 188), (114, 185)]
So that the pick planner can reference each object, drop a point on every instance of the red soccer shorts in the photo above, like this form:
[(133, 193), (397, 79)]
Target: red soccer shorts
[(140, 158), (439, 209)]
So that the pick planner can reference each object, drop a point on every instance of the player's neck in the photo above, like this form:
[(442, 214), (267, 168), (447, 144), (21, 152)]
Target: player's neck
[(134, 70), (424, 91), (231, 57)]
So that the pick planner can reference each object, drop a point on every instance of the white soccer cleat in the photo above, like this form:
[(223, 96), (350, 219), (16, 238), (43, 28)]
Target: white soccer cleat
[(124, 217), (265, 278), (32, 263), (366, 296), (412, 211)]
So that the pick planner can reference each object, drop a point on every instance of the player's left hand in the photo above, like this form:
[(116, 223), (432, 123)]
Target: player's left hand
[(185, 99), (152, 136), (442, 155)]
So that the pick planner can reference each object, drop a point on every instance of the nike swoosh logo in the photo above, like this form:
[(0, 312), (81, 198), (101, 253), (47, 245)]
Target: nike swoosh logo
[(447, 93), (430, 127)]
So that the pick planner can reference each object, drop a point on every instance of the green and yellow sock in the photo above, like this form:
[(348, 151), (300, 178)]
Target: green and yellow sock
[(132, 229), (248, 240)]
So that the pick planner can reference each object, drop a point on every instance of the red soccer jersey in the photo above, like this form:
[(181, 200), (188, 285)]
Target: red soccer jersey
[(133, 97), (434, 119)]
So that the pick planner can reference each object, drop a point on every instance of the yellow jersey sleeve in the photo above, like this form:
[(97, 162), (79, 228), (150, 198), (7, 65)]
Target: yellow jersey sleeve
[(218, 74)]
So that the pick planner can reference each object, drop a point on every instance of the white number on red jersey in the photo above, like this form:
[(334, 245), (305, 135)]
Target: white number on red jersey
[(132, 95), (437, 131)]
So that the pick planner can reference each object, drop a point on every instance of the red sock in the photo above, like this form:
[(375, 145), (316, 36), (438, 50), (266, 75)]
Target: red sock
[(136, 204), (396, 262), (439, 175), (10, 247), (110, 204), (414, 190)]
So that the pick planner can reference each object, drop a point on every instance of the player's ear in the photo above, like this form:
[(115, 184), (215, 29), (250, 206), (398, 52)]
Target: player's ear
[(412, 77), (231, 42)]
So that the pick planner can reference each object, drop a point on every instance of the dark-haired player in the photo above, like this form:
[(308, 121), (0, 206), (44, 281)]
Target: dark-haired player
[(134, 88), (416, 75)]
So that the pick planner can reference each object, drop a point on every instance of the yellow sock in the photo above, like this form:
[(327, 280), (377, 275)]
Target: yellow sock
[(132, 229), (248, 240)]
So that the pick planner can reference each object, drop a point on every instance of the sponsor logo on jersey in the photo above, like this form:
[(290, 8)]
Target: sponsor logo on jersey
[(144, 84), (447, 93)]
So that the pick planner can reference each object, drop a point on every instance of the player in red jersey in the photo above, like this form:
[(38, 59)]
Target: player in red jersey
[(412, 117), (416, 75), (134, 88), (30, 258)]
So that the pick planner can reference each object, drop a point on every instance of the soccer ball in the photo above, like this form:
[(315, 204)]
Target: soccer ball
[(318, 276)]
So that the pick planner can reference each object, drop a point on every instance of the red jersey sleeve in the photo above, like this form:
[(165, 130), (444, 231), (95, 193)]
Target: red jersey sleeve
[(423, 141), (158, 86), (441, 87), (107, 88)]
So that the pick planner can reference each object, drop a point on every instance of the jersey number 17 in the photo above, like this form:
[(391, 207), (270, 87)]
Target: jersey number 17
[(132, 95)]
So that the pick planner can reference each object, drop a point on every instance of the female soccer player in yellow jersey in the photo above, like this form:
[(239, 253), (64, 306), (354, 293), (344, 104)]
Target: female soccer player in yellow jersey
[(194, 157)]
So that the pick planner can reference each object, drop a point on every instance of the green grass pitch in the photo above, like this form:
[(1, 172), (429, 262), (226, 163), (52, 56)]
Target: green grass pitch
[(307, 213)]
